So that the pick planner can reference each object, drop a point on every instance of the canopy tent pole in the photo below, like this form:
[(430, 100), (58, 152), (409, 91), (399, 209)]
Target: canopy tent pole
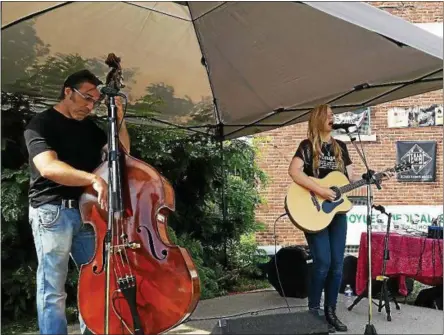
[(219, 136)]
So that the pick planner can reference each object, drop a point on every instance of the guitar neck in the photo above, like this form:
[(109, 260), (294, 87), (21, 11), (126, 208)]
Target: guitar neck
[(350, 187)]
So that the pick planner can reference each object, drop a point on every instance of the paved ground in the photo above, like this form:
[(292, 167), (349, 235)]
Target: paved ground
[(408, 320)]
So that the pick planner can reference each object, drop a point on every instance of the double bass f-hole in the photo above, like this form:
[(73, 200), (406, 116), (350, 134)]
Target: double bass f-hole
[(164, 253)]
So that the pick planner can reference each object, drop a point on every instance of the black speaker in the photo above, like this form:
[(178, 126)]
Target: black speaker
[(282, 323), (430, 298), (294, 271)]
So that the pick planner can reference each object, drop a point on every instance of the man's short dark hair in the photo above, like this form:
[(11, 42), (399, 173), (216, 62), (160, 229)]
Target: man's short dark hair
[(76, 79)]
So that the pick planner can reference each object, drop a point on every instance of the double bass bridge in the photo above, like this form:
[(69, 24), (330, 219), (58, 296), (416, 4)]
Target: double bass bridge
[(118, 248)]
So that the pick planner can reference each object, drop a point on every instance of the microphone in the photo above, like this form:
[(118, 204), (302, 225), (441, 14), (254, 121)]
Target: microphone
[(344, 126), (379, 208), (106, 90)]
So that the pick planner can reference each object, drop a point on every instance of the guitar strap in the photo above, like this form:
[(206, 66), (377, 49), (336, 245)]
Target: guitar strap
[(315, 172), (308, 153)]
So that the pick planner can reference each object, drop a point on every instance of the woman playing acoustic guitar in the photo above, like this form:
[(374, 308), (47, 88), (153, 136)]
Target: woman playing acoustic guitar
[(317, 156)]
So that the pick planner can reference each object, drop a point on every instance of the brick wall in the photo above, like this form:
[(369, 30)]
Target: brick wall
[(280, 144), (416, 12)]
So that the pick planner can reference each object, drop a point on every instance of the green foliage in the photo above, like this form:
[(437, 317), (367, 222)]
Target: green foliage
[(207, 276), (245, 254), (18, 253), (200, 173), (207, 177)]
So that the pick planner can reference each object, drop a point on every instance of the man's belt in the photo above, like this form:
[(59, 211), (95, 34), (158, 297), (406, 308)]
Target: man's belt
[(70, 203)]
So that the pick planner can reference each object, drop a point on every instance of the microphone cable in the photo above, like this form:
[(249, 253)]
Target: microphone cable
[(275, 261)]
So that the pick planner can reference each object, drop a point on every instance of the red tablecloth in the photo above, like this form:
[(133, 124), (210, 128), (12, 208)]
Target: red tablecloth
[(416, 257)]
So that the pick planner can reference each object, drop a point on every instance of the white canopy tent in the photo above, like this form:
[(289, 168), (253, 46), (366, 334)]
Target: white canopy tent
[(228, 69)]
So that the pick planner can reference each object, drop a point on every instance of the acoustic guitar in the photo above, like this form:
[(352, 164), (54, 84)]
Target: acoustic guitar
[(312, 213)]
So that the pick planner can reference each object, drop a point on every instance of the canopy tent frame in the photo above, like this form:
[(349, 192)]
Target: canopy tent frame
[(219, 127), (367, 103), (355, 16)]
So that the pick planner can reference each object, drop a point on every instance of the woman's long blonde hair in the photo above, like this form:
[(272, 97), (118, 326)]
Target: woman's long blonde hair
[(318, 117)]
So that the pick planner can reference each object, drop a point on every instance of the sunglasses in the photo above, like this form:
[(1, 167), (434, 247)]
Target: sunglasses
[(96, 103)]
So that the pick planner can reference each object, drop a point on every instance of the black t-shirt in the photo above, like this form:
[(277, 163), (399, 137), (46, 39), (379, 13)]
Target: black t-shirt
[(327, 161), (77, 143)]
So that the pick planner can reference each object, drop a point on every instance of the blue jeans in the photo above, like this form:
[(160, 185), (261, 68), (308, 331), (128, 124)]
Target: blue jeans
[(327, 248), (58, 233)]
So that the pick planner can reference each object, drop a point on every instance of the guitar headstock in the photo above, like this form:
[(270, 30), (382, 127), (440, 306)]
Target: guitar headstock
[(402, 167)]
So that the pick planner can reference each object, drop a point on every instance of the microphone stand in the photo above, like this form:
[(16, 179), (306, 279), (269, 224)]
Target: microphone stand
[(369, 328), (114, 190)]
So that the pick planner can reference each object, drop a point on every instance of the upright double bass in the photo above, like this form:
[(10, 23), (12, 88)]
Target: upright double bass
[(138, 282)]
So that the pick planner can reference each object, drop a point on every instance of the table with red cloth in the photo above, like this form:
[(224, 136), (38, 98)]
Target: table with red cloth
[(416, 257)]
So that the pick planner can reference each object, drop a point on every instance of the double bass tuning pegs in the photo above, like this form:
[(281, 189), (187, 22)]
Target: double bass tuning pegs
[(115, 76)]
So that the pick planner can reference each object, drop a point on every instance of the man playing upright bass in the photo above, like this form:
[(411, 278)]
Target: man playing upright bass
[(65, 146)]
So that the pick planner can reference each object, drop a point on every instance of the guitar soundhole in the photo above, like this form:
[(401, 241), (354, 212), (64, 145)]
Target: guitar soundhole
[(329, 206), (337, 191)]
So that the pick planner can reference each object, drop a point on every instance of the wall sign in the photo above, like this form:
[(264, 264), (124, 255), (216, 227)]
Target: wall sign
[(422, 156), (405, 219), (359, 117), (416, 116)]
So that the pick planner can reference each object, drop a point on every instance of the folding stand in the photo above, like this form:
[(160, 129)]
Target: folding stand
[(384, 294)]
